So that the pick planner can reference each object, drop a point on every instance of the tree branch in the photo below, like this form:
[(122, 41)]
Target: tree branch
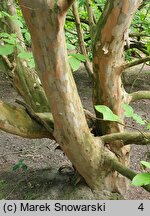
[(90, 17), (128, 138), (125, 171), (139, 61), (16, 121), (71, 19), (87, 64), (139, 95), (138, 34)]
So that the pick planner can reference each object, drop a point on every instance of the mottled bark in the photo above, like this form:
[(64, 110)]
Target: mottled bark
[(92, 159), (16, 121), (108, 53), (108, 58), (71, 130)]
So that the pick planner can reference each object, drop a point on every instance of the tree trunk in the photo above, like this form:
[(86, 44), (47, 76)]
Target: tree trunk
[(24, 80), (108, 55), (45, 20)]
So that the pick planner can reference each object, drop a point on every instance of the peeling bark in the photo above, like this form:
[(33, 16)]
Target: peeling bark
[(93, 160), (111, 34), (108, 58), (71, 130)]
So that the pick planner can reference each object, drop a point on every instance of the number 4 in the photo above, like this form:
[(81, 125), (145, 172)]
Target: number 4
[(141, 207)]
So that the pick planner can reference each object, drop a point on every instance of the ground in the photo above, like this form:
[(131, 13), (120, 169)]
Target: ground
[(42, 179)]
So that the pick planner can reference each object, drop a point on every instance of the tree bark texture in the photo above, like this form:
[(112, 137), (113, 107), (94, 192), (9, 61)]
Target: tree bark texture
[(45, 20), (108, 58), (24, 80), (108, 54)]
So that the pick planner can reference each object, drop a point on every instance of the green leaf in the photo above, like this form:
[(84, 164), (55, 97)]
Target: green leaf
[(6, 14), (20, 161), (24, 167), (70, 46), (16, 167), (138, 119), (31, 63), (128, 110), (10, 40), (7, 49), (78, 56), (148, 126), (145, 163), (74, 63), (107, 113), (27, 36), (3, 34), (17, 21), (25, 55), (141, 179)]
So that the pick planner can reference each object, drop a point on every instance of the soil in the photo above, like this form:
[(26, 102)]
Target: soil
[(42, 179)]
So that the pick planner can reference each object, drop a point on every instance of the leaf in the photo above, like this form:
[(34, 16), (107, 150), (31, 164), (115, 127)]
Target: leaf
[(17, 21), (20, 161), (128, 110), (74, 63), (3, 34), (16, 167), (78, 56), (10, 40), (141, 179), (25, 55), (138, 119), (5, 14), (24, 167), (148, 126), (31, 63), (70, 46), (7, 49), (145, 163), (27, 36), (107, 113)]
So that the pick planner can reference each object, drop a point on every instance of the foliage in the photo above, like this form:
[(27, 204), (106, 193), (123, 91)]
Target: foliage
[(108, 115), (139, 25), (20, 165), (142, 179), (75, 60), (129, 113)]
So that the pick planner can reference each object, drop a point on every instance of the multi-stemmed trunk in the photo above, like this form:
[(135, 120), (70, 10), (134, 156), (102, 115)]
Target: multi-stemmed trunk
[(95, 158)]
